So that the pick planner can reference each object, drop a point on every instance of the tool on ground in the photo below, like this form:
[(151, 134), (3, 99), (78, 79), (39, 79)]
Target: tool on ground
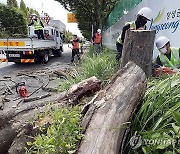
[(21, 89)]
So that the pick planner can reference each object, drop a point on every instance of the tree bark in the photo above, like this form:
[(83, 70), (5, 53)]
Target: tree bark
[(104, 121), (138, 47), (84, 88)]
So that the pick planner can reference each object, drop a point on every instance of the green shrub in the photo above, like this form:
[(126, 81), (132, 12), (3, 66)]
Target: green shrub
[(62, 136), (103, 66), (11, 21)]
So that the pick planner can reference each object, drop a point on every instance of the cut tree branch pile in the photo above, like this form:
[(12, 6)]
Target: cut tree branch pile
[(17, 120)]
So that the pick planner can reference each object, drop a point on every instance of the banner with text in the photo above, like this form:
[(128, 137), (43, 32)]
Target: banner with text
[(165, 21)]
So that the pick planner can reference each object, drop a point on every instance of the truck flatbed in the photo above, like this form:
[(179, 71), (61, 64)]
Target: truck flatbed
[(26, 43), (32, 49)]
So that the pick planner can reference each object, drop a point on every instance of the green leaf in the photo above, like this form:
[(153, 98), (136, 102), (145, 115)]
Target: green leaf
[(176, 116), (156, 135), (71, 152), (176, 128), (178, 150), (29, 143), (146, 150), (163, 146), (169, 152)]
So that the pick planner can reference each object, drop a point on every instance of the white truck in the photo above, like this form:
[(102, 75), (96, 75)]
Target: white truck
[(32, 49)]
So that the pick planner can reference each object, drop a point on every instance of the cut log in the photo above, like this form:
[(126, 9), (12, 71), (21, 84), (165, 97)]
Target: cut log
[(138, 47), (7, 135), (36, 98), (1, 103), (60, 73), (84, 88), (113, 107)]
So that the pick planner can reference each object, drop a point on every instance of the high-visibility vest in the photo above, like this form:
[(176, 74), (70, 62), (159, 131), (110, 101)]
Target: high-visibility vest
[(174, 62), (97, 39), (37, 25), (75, 44), (132, 27)]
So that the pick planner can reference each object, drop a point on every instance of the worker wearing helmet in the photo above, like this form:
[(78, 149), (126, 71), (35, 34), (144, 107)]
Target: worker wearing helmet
[(97, 40), (38, 26), (168, 56), (75, 47), (143, 16)]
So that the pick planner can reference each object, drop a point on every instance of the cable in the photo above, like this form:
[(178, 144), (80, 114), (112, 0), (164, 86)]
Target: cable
[(6, 28)]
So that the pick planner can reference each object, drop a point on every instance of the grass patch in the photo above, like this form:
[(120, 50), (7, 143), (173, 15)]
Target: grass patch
[(158, 120), (62, 136), (103, 66)]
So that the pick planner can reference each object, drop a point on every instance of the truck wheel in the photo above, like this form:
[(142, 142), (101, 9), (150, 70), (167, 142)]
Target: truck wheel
[(61, 48), (58, 52), (45, 57)]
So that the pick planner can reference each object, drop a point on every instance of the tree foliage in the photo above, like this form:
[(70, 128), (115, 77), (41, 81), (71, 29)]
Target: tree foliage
[(23, 8), (12, 3), (89, 12), (26, 11), (12, 21)]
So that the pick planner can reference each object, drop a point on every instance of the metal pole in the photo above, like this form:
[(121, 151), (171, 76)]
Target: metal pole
[(92, 31)]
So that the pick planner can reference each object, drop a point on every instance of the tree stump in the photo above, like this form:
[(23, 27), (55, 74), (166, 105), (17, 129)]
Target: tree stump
[(105, 118), (138, 47)]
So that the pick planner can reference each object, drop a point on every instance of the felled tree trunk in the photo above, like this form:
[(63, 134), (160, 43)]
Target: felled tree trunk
[(138, 47), (105, 118)]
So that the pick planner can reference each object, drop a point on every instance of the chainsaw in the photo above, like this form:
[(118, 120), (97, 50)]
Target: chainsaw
[(21, 89)]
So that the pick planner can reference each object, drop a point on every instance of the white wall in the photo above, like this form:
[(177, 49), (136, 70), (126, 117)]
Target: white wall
[(165, 20)]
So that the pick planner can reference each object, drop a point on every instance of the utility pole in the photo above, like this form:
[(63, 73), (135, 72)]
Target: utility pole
[(42, 13), (92, 31)]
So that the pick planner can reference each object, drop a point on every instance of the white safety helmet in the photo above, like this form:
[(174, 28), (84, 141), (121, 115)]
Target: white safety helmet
[(161, 41), (145, 12), (75, 34), (33, 14), (99, 31)]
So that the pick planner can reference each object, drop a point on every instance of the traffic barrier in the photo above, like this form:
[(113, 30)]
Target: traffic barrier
[(27, 60)]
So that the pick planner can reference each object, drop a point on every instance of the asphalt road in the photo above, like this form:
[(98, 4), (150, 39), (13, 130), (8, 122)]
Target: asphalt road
[(40, 79), (12, 68)]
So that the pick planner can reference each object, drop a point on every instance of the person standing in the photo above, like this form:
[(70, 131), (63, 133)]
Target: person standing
[(75, 48), (143, 16), (38, 26), (97, 41)]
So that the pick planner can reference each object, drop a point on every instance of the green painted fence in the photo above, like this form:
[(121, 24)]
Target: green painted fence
[(122, 7)]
